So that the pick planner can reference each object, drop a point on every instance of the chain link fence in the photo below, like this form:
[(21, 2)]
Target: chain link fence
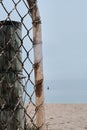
[(21, 86)]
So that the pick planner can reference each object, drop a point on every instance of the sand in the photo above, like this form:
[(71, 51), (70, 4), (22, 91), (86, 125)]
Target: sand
[(65, 116)]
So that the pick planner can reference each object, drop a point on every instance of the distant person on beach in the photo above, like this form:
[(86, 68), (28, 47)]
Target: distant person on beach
[(48, 88)]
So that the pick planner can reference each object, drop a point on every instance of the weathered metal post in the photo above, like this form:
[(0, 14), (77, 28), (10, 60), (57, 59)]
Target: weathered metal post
[(38, 63), (11, 91)]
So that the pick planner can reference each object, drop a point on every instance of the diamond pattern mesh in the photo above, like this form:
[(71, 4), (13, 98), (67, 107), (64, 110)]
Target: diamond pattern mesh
[(17, 88)]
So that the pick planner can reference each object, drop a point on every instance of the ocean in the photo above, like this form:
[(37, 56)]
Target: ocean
[(65, 91)]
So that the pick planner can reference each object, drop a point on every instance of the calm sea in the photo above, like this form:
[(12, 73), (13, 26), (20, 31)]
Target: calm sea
[(66, 91)]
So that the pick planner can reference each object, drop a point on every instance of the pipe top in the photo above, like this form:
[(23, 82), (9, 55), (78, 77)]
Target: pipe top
[(13, 23)]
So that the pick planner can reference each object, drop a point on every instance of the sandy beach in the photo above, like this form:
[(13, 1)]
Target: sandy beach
[(66, 116)]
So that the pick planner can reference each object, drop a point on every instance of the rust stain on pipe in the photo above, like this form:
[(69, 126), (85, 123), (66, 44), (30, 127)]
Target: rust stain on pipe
[(38, 83), (36, 66), (39, 86)]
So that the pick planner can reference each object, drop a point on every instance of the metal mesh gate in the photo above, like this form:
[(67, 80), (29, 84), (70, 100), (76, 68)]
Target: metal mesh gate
[(21, 76)]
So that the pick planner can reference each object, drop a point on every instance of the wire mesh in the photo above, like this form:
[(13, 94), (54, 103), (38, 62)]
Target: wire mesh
[(17, 88)]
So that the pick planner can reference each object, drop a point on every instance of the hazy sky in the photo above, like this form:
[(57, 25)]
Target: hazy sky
[(64, 27)]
